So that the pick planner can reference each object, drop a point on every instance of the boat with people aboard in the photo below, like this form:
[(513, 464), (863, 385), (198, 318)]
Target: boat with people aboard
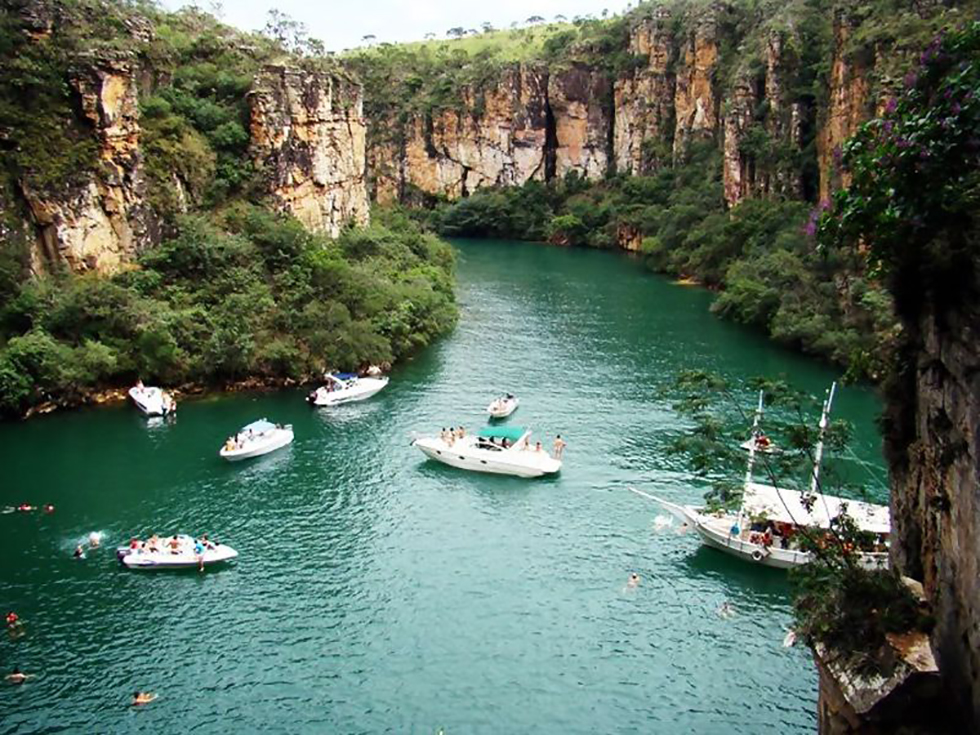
[(151, 400), (179, 551), (341, 388), (502, 450), (768, 526), (255, 439), (502, 407)]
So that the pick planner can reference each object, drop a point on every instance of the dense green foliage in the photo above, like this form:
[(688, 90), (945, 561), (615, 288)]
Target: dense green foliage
[(915, 191), (758, 256), (232, 291), (251, 294)]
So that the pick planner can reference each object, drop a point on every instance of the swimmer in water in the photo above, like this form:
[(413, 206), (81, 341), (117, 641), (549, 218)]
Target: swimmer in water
[(143, 698), (18, 677), (726, 610), (94, 539), (49, 508), (25, 508), (79, 552), (634, 580)]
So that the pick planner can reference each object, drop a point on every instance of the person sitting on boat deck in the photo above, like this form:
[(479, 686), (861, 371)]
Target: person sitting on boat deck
[(134, 543), (460, 432), (767, 537), (143, 697), (174, 544), (559, 446), (153, 543), (230, 445), (504, 443), (79, 552), (451, 436), (537, 447), (17, 676)]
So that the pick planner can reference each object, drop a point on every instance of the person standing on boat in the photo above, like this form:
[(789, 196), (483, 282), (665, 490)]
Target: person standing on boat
[(559, 446)]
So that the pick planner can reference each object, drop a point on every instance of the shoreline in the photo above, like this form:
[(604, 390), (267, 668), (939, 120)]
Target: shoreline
[(118, 395)]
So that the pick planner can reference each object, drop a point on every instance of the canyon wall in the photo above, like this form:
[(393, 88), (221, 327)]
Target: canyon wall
[(307, 134)]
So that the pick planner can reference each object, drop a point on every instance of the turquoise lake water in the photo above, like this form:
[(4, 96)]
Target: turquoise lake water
[(378, 592)]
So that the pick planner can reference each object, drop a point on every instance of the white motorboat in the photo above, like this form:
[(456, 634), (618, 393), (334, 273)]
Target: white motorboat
[(255, 439), (152, 401), (765, 529), (345, 388), (184, 553), (503, 407), (502, 450)]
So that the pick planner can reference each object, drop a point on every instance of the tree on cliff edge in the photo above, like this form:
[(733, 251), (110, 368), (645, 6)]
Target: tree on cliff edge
[(913, 208)]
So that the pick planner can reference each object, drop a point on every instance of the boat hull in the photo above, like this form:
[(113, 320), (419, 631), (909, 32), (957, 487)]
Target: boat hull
[(281, 438), (504, 411), (184, 559), (508, 463), (365, 388), (715, 531)]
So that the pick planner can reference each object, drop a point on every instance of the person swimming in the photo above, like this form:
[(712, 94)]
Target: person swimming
[(49, 508), (94, 539), (634, 580), (726, 610), (26, 508), (13, 620), (18, 677), (143, 697), (79, 552)]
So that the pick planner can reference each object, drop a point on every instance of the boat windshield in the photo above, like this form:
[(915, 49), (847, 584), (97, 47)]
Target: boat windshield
[(259, 427)]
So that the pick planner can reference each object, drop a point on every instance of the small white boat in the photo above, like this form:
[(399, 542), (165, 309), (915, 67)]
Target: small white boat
[(772, 542), (152, 401), (503, 407), (502, 450), (186, 553), (255, 439), (345, 388)]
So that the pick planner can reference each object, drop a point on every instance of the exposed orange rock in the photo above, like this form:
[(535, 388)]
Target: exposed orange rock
[(308, 137)]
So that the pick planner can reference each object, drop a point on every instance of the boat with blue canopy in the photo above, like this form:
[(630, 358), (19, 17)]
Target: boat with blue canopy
[(341, 388), (255, 439), (502, 450)]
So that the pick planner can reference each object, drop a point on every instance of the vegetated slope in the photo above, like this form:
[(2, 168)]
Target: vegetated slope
[(659, 132), (138, 235)]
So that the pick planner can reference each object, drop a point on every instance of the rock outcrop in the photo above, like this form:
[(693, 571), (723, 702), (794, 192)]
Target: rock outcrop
[(497, 136), (580, 102), (308, 139), (102, 223), (696, 97), (643, 108)]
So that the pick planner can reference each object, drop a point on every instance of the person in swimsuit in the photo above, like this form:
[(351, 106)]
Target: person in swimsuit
[(17, 676), (143, 698)]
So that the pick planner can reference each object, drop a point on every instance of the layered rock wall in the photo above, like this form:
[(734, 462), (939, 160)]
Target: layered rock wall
[(102, 223), (308, 138)]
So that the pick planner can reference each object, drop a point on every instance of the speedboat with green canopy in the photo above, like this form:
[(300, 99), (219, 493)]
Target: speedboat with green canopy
[(255, 439), (502, 450)]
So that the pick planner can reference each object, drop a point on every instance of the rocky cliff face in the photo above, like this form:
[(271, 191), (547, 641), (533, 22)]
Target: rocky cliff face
[(498, 136), (308, 139), (532, 123), (643, 108), (848, 105), (933, 446), (101, 224)]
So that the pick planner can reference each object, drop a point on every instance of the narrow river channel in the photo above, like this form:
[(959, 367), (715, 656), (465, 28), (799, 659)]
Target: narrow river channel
[(377, 592)]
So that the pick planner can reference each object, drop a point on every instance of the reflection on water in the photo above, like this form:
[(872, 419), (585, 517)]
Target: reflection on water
[(377, 591)]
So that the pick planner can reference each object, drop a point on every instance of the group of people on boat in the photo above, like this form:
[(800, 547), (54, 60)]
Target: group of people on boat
[(452, 434), (28, 508)]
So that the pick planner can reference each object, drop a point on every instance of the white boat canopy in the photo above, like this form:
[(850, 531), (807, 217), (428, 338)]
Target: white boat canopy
[(786, 506)]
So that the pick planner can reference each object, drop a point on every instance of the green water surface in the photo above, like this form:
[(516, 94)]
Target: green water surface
[(377, 592)]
